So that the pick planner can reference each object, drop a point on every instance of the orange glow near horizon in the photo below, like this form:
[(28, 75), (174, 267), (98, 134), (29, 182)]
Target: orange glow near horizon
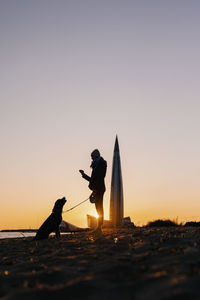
[(96, 215), (32, 197), (30, 216)]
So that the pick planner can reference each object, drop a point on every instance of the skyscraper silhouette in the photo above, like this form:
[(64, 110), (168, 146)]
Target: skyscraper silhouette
[(116, 196)]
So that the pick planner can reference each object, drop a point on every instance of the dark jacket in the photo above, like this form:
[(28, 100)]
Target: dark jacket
[(96, 181)]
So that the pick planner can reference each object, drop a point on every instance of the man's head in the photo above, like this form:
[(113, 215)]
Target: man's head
[(95, 154)]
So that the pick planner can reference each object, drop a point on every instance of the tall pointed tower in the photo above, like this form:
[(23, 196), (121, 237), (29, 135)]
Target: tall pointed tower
[(116, 196)]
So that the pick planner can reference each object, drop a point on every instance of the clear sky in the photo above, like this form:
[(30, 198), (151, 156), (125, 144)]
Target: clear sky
[(73, 74)]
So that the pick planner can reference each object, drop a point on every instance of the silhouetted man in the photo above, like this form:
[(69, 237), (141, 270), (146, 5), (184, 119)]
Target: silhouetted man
[(97, 184)]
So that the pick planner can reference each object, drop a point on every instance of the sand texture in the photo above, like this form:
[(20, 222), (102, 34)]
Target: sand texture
[(135, 264)]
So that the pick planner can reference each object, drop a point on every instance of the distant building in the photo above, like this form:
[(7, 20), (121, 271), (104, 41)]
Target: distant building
[(116, 195), (92, 222)]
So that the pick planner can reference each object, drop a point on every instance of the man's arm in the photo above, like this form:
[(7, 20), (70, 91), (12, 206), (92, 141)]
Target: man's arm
[(85, 176)]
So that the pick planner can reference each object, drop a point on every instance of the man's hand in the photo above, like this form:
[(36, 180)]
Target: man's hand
[(82, 172)]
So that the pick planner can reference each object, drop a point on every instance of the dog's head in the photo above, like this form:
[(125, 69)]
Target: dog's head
[(58, 206)]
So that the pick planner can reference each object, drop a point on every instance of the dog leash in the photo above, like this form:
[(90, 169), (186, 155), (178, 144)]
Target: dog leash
[(76, 205)]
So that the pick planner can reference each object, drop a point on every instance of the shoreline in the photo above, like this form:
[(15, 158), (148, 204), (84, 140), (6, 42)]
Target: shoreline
[(18, 230), (20, 234)]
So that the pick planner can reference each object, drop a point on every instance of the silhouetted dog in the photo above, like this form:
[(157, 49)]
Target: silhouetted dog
[(52, 223)]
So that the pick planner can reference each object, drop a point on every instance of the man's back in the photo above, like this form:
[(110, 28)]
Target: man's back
[(98, 175)]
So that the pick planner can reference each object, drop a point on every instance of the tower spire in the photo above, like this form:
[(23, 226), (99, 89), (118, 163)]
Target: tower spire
[(116, 148), (116, 196)]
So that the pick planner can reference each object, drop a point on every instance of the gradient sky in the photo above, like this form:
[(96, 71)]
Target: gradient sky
[(76, 73)]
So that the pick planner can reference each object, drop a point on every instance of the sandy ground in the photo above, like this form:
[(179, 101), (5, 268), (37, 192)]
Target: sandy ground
[(135, 264)]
